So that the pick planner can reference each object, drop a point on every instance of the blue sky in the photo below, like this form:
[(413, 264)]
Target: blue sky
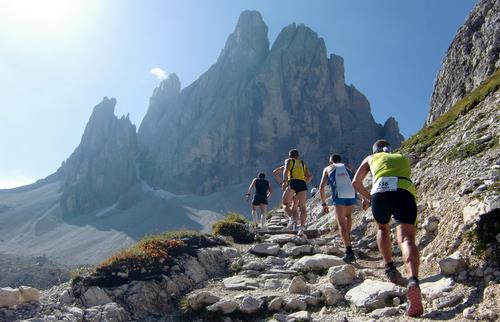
[(58, 58)]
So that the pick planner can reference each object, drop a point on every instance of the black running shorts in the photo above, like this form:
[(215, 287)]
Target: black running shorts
[(400, 204), (259, 200), (298, 185)]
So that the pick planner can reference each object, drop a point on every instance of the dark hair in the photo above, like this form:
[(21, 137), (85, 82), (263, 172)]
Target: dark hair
[(261, 175), (335, 158), (293, 153), (381, 146)]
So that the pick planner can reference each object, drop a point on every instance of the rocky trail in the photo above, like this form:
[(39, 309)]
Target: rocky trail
[(280, 277), (288, 278)]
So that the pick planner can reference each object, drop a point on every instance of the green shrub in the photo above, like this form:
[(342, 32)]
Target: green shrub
[(239, 232), (235, 217), (429, 134)]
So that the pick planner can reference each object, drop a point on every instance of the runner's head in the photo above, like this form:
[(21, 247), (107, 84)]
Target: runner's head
[(381, 146), (261, 175), (294, 154), (335, 158)]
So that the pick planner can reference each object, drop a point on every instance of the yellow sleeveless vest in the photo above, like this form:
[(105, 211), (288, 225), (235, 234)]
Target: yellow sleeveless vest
[(297, 170), (384, 164)]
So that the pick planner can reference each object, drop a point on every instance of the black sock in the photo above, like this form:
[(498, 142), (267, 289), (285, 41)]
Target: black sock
[(348, 249), (413, 279), (390, 265)]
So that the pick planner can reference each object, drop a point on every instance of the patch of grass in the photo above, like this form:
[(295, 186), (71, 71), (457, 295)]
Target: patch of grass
[(150, 257), (487, 228), (464, 152), (495, 187), (429, 134), (76, 275), (184, 306), (235, 268)]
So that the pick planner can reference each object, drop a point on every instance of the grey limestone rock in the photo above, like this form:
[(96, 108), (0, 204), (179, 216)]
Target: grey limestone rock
[(342, 275), (201, 299), (473, 55), (251, 107), (373, 294), (103, 167)]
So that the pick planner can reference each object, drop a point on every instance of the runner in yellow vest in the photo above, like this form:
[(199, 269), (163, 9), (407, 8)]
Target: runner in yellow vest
[(393, 194), (295, 178)]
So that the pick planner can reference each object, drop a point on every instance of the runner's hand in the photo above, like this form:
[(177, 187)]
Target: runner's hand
[(366, 203)]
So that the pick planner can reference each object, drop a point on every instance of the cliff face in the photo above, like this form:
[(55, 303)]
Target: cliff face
[(251, 107), (103, 166), (473, 55)]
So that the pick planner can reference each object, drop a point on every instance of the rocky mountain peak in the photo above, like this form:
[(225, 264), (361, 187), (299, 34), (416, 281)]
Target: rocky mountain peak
[(299, 39), (248, 109), (102, 167), (472, 57), (169, 86), (99, 122), (248, 44)]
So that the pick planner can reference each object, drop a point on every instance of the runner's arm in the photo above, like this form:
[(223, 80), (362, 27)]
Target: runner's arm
[(308, 175), (269, 191), (322, 185), (252, 185), (357, 183), (278, 173)]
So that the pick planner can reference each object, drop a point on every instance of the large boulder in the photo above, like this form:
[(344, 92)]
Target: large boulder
[(436, 289), (223, 306), (452, 264), (240, 283), (265, 249), (200, 300), (373, 294), (298, 286), (342, 275), (317, 262), (95, 296), (9, 297)]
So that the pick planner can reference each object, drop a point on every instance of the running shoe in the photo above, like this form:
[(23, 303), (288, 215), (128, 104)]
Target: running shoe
[(349, 257), (414, 298), (395, 276)]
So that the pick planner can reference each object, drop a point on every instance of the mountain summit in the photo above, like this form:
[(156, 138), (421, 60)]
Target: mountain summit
[(253, 105)]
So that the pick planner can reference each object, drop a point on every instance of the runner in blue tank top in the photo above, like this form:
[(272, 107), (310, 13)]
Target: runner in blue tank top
[(343, 198)]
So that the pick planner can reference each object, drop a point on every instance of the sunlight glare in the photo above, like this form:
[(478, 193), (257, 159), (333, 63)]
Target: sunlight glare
[(39, 13)]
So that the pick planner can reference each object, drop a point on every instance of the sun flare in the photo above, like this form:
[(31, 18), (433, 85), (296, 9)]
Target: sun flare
[(39, 13)]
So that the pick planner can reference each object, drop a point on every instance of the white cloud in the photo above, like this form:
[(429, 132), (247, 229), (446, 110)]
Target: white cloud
[(159, 73), (13, 182)]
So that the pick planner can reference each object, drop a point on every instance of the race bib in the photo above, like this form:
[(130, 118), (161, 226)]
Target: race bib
[(384, 184)]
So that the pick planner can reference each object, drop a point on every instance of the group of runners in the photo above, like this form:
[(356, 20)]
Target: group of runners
[(392, 194)]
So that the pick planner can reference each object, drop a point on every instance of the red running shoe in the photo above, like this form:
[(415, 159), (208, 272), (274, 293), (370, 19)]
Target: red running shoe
[(414, 297)]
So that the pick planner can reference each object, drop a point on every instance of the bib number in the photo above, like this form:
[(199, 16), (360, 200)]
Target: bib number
[(384, 184)]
